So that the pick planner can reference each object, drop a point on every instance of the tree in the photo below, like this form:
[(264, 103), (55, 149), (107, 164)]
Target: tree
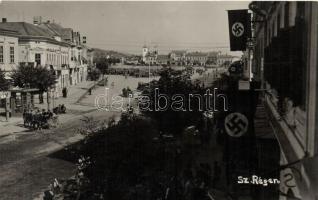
[(124, 162), (102, 64), (171, 83), (4, 83), (94, 74), (34, 77)]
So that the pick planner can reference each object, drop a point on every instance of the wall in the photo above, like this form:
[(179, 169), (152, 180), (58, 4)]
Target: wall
[(7, 42)]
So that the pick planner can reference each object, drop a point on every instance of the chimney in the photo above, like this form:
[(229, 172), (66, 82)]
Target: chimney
[(37, 20), (4, 20)]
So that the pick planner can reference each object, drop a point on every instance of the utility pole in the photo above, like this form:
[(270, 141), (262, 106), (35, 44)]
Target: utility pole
[(7, 106), (48, 98)]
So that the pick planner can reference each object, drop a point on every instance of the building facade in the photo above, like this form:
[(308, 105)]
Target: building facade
[(149, 57), (178, 56), (36, 47), (285, 62), (77, 54), (224, 59), (163, 59), (9, 48), (47, 44), (196, 58)]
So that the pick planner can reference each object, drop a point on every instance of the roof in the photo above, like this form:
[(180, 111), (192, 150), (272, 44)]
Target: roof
[(57, 30), (197, 54), (179, 52), (226, 56), (213, 54), (25, 29), (162, 57), (8, 32)]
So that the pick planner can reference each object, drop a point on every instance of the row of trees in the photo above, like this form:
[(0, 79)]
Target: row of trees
[(27, 76)]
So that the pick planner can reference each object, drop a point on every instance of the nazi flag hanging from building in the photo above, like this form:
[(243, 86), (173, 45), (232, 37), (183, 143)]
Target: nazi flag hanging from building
[(239, 29)]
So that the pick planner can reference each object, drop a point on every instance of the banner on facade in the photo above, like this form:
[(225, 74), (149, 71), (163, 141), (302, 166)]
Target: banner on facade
[(239, 29)]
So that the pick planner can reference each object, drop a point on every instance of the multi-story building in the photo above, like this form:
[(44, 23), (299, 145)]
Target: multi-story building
[(8, 50), (285, 62), (37, 46), (8, 57), (163, 59), (178, 56), (224, 59), (196, 58), (77, 60), (149, 57), (212, 58)]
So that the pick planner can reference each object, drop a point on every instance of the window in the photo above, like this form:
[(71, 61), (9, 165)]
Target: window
[(286, 15), (38, 59), (11, 54), (278, 24), (1, 54)]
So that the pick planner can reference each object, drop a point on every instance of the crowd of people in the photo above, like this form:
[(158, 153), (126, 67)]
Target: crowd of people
[(59, 109), (42, 119), (37, 119), (133, 72)]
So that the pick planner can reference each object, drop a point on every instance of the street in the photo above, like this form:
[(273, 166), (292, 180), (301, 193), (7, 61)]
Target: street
[(27, 164), (27, 161)]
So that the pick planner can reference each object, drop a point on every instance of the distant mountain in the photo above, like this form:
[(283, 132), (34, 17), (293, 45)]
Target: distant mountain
[(103, 53)]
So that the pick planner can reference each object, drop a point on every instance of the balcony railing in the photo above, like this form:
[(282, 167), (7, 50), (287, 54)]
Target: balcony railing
[(285, 64)]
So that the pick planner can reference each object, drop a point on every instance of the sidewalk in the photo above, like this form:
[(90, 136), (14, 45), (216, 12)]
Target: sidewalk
[(15, 124), (75, 92)]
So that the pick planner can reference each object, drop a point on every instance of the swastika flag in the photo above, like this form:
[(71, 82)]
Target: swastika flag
[(239, 29)]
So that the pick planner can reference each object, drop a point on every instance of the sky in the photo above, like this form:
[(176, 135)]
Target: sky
[(127, 26)]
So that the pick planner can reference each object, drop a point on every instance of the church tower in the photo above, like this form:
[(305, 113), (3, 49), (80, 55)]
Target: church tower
[(144, 52)]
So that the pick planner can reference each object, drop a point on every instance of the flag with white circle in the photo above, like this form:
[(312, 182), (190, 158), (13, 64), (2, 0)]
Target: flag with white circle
[(239, 29), (236, 124)]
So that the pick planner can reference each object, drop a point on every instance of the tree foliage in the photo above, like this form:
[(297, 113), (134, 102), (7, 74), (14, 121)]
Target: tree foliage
[(35, 77), (124, 162), (4, 83), (171, 83), (102, 64), (94, 74), (132, 160)]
